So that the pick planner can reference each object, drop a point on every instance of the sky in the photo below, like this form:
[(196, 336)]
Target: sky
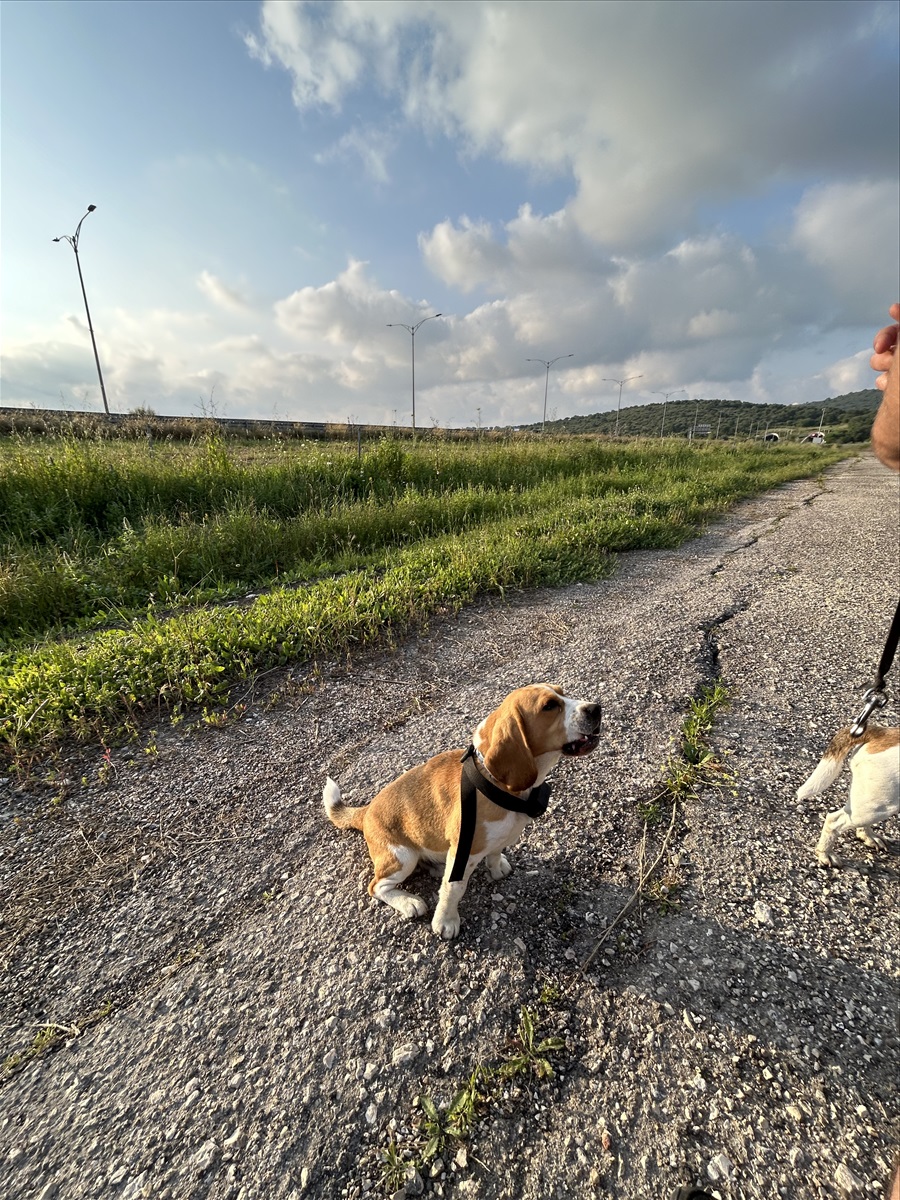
[(698, 198)]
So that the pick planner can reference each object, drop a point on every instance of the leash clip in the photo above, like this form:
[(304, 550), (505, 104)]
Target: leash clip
[(872, 702)]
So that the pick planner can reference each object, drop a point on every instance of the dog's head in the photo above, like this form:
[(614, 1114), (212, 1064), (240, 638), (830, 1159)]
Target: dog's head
[(524, 738)]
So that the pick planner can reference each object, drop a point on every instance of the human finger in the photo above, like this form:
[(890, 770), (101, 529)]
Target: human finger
[(885, 340)]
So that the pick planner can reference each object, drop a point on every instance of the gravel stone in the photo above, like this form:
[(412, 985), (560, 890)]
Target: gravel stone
[(209, 934)]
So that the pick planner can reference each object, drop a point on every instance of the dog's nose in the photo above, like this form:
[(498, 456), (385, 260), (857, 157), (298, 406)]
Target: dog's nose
[(592, 711)]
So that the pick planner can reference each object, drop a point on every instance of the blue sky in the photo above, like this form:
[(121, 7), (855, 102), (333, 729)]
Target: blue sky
[(704, 195)]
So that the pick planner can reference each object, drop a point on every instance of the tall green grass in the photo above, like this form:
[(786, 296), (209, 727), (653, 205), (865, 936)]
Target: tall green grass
[(377, 545)]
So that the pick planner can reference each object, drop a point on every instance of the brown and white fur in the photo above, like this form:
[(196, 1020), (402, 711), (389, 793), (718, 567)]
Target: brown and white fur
[(417, 816), (874, 787)]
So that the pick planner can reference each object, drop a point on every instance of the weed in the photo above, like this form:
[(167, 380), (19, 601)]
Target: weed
[(663, 889), (216, 718), (107, 767), (393, 1168), (529, 1057), (697, 763)]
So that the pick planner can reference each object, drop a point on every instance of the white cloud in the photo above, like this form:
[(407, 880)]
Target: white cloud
[(847, 375), (349, 310), (220, 293), (372, 147), (652, 108), (851, 232), (535, 251), (322, 64)]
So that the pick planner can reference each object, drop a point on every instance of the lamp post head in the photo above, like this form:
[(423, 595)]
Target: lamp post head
[(91, 207)]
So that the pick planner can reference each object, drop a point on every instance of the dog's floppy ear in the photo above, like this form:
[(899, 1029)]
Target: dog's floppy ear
[(505, 749)]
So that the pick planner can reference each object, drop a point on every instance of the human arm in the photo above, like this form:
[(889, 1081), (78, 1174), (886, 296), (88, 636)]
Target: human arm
[(886, 428)]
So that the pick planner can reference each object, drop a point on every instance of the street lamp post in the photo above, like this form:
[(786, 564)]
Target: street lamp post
[(72, 239), (666, 396), (696, 414), (548, 363), (411, 329), (621, 383)]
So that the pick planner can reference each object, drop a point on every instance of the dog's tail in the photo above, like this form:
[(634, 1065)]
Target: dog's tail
[(831, 763), (338, 812)]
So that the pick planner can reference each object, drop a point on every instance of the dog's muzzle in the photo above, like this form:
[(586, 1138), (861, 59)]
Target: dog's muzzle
[(581, 746), (588, 738)]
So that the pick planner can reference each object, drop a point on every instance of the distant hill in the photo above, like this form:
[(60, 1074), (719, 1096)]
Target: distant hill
[(849, 417)]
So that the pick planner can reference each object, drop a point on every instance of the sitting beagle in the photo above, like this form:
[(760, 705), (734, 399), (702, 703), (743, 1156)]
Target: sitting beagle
[(874, 788), (432, 813)]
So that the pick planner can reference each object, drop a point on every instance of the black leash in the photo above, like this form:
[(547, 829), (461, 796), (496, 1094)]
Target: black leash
[(471, 782), (875, 698)]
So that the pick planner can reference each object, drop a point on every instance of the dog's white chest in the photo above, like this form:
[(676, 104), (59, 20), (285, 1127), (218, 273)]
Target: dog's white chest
[(504, 832)]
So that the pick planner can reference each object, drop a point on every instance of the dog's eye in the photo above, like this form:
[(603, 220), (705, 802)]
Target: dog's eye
[(549, 705)]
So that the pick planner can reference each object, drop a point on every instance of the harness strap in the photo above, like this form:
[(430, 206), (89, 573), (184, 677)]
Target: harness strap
[(875, 698), (471, 782), (890, 649)]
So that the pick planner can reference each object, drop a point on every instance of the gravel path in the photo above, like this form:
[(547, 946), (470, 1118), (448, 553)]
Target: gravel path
[(205, 1002)]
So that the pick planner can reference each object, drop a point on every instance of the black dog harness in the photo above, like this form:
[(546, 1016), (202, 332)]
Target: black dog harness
[(473, 781)]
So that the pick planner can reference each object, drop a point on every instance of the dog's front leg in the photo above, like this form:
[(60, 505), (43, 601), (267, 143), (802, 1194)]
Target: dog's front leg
[(445, 922), (498, 865)]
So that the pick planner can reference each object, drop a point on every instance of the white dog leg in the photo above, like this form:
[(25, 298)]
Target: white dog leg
[(875, 840), (386, 888), (498, 865), (445, 922), (836, 823)]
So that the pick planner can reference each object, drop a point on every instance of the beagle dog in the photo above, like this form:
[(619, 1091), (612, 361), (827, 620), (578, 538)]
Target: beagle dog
[(418, 815), (874, 788)]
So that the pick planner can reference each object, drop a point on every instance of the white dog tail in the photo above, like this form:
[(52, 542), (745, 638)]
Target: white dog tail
[(831, 763), (338, 812)]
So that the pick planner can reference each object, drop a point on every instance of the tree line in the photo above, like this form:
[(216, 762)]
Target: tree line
[(848, 417)]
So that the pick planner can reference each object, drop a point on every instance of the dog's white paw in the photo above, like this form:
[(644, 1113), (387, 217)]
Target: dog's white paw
[(828, 859), (499, 867), (410, 906), (875, 840), (445, 927)]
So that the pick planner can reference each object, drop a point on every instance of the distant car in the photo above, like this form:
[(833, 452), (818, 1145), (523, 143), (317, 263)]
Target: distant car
[(818, 438)]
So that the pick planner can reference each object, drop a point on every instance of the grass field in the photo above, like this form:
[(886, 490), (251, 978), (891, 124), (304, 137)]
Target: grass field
[(125, 569)]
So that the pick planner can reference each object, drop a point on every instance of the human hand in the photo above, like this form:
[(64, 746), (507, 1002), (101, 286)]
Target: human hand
[(885, 344)]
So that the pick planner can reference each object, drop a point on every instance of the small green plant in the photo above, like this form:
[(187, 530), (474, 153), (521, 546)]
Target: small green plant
[(550, 994), (393, 1168), (438, 1125), (216, 718), (106, 768), (434, 1127), (663, 889), (529, 1056), (697, 763)]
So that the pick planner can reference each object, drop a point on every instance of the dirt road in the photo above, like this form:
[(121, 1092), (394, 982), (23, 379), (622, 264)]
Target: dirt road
[(205, 1002)]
